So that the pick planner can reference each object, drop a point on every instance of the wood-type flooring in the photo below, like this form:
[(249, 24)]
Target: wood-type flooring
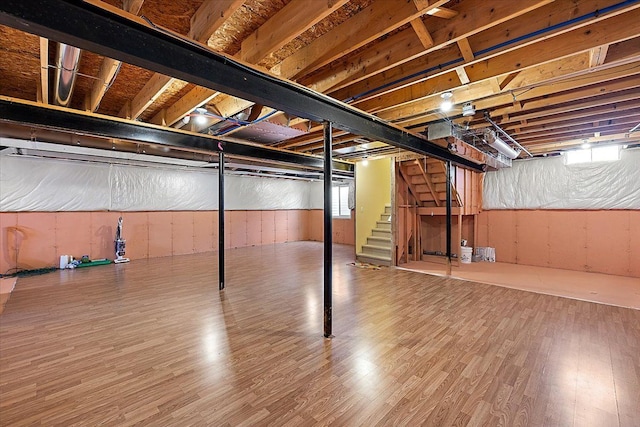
[(154, 342)]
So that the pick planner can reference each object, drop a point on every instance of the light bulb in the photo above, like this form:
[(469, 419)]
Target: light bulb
[(447, 102)]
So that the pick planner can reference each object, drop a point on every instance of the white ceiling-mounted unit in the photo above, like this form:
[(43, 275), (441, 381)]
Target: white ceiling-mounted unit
[(468, 109)]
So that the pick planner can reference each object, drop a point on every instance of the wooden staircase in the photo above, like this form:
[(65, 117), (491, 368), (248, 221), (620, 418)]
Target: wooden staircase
[(427, 181), (420, 199), (377, 250)]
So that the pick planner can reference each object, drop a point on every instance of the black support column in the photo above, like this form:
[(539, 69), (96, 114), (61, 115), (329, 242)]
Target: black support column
[(328, 232), (221, 220), (448, 218)]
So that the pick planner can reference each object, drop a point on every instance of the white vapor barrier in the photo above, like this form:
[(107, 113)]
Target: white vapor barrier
[(547, 183), (34, 184), (39, 184), (162, 189), (252, 193), (316, 199)]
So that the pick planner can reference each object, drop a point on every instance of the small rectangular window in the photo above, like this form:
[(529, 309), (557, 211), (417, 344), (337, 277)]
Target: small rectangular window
[(578, 156), (340, 201), (605, 154)]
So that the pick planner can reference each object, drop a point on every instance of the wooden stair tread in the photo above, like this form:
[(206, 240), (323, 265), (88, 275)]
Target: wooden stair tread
[(374, 256)]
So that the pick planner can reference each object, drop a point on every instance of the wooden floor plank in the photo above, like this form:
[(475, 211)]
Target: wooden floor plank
[(155, 342)]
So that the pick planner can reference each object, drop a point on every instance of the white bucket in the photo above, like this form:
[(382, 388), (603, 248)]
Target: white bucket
[(64, 261), (465, 254)]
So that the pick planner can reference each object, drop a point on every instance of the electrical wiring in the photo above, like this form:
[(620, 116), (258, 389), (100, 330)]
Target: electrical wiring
[(24, 273), (490, 49)]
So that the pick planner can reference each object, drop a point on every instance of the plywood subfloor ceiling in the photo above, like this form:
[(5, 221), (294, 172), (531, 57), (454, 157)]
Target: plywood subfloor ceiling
[(553, 74)]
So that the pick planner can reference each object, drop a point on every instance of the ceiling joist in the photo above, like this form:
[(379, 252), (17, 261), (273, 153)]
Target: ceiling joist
[(127, 40)]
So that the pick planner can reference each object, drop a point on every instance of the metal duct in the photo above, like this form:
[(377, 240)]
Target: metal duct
[(67, 60), (449, 135), (502, 147)]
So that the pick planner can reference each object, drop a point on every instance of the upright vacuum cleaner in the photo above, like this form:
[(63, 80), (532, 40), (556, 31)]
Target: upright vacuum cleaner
[(120, 243)]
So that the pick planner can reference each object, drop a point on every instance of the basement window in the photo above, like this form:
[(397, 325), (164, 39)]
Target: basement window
[(340, 201), (607, 153)]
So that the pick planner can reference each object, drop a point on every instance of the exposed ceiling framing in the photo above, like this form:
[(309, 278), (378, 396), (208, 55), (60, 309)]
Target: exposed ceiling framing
[(553, 74)]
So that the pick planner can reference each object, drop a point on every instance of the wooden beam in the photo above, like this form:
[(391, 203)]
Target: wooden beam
[(591, 129), (412, 190), (508, 79), (585, 134), (519, 25), (379, 64), (342, 141), (147, 96), (603, 90), (442, 12), (462, 75), (43, 93), (620, 138), (465, 49), (107, 73), (428, 211), (597, 55), (210, 16), (625, 49), (364, 27), (614, 29), (427, 179), (611, 30), (607, 112), (422, 32), (290, 21), (306, 139), (109, 66), (185, 105), (272, 35), (207, 19), (579, 85), (132, 6)]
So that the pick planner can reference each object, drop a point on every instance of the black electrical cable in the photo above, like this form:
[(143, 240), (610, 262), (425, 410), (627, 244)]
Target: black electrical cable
[(25, 273)]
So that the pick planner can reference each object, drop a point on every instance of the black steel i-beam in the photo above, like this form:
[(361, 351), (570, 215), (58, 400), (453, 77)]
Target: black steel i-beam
[(328, 233), (221, 220), (91, 27), (29, 113)]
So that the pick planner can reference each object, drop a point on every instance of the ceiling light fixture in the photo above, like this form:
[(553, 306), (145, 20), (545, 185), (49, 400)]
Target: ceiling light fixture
[(468, 109), (585, 145), (447, 102), (201, 118)]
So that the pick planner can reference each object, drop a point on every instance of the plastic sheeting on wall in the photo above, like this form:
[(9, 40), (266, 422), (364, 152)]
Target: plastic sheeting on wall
[(550, 184), (38, 184), (162, 189), (316, 196), (251, 193), (33, 184)]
